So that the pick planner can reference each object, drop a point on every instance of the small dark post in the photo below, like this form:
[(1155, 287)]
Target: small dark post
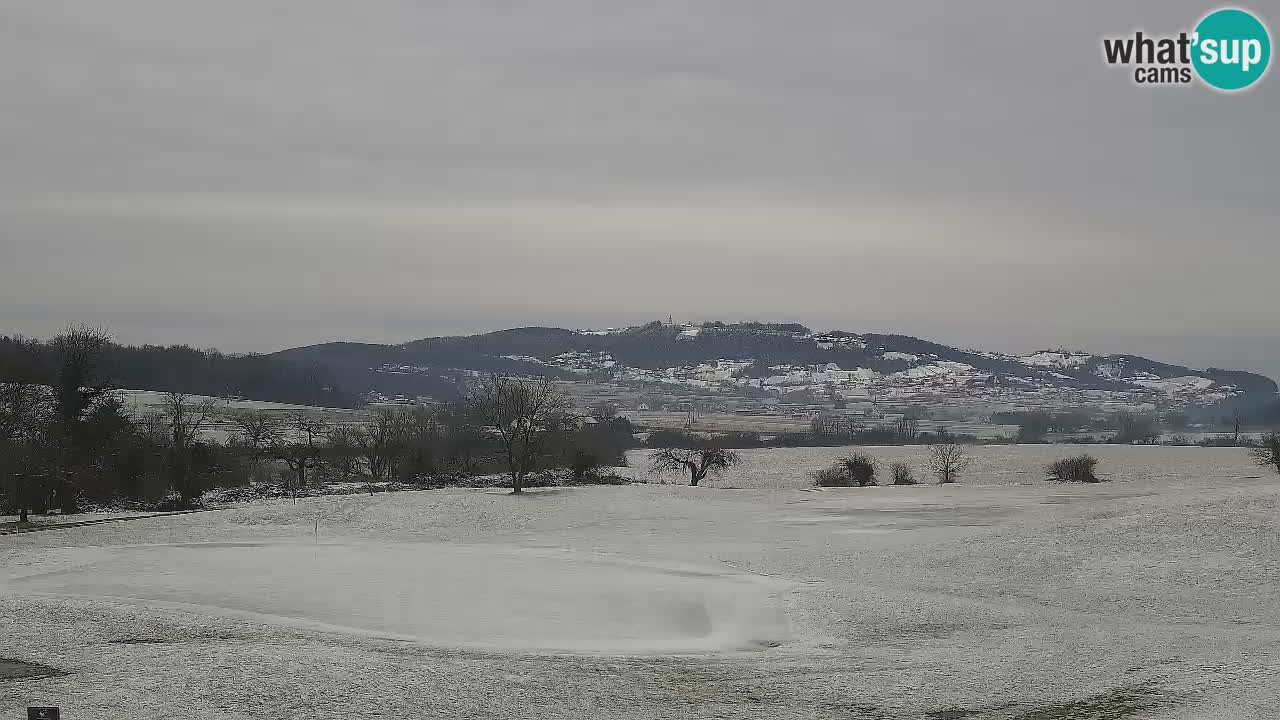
[(43, 713), (21, 481)]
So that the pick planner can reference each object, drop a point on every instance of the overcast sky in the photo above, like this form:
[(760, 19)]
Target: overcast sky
[(257, 175)]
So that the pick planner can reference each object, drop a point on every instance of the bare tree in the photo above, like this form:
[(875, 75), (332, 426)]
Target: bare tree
[(831, 424), (256, 430), (310, 430), (948, 461), (519, 410), (187, 416), (342, 454), (301, 447), (907, 429), (700, 462), (1267, 453), (1236, 420), (258, 435), (153, 426), (381, 441), (421, 441)]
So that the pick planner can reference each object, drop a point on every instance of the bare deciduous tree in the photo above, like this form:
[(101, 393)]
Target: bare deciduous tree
[(153, 426), (187, 416), (519, 410), (381, 441), (907, 429), (300, 447), (257, 430), (699, 462), (342, 454), (420, 442), (948, 461)]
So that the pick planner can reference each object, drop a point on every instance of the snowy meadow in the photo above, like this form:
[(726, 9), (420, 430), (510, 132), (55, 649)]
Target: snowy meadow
[(1002, 596)]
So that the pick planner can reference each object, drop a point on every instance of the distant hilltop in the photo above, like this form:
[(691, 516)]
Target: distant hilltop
[(784, 361)]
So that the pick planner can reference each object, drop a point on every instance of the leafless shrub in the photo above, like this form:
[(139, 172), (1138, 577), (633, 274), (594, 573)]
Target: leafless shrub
[(902, 474), (1074, 469), (856, 470), (832, 476), (861, 469), (1267, 452)]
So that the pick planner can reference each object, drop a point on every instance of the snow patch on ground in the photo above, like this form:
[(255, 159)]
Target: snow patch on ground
[(489, 597), (1057, 359), (1186, 383), (942, 370)]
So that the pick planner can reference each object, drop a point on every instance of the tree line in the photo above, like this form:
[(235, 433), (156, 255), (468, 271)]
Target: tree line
[(179, 368), (1135, 428), (824, 431), (72, 442)]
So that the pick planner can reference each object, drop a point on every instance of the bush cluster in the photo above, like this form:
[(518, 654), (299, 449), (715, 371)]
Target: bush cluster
[(1078, 468), (856, 470), (902, 474)]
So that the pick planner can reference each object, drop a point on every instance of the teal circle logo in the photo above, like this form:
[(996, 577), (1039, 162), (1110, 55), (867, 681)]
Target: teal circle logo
[(1231, 49)]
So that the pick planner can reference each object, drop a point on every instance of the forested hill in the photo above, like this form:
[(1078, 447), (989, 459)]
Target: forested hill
[(763, 356)]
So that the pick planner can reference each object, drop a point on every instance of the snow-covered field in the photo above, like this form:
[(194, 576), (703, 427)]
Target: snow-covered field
[(141, 400), (1007, 597)]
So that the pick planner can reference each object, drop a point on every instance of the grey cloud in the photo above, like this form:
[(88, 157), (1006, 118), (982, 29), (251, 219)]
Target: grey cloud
[(255, 175)]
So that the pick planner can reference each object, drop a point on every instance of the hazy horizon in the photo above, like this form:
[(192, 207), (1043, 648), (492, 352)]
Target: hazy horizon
[(1162, 352), (253, 177)]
